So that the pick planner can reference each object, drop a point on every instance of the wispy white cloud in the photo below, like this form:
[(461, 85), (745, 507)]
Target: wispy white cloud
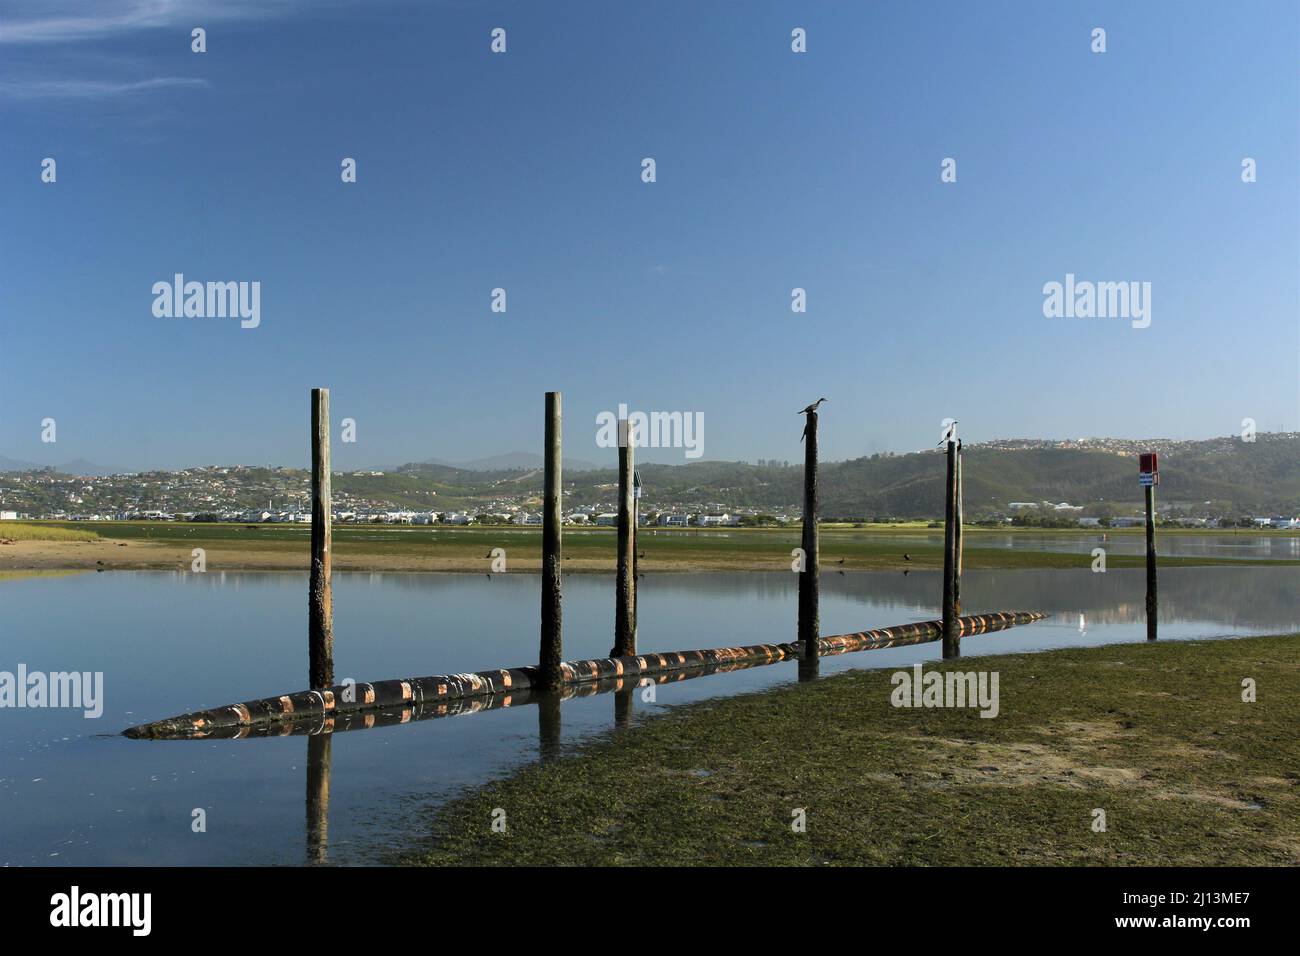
[(89, 89), (68, 21)]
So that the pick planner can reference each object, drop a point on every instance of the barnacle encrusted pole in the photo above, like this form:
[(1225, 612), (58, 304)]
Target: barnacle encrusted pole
[(951, 635), (551, 652), (625, 579), (320, 589), (809, 622), (957, 542), (272, 715)]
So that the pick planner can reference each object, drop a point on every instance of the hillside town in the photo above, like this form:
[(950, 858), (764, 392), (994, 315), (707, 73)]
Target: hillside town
[(281, 495), (257, 495)]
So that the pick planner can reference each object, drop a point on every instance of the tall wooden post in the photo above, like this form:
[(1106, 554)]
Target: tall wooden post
[(956, 574), (951, 642), (551, 651), (636, 534), (809, 624), (1152, 615), (625, 585), (320, 595)]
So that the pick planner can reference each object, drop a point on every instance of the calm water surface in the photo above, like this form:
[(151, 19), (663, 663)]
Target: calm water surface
[(73, 792)]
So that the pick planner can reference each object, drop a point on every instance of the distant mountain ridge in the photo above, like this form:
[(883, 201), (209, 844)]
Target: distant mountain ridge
[(511, 461), (78, 466)]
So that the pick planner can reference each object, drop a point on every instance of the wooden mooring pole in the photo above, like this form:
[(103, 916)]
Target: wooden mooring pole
[(956, 574), (1152, 614), (551, 652), (1149, 477), (951, 637), (320, 594), (809, 623), (625, 584)]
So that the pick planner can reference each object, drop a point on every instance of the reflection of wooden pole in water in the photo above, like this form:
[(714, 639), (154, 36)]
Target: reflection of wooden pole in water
[(548, 725), (623, 705), (318, 796)]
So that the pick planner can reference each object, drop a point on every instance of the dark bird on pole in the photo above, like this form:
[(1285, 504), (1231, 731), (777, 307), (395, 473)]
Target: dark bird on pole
[(808, 411), (811, 408), (952, 430)]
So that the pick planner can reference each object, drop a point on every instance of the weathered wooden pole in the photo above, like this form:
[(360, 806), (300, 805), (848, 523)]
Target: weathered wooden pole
[(320, 596), (1152, 614), (318, 796), (809, 624), (1149, 477), (625, 584), (636, 534), (951, 637), (551, 651), (956, 575)]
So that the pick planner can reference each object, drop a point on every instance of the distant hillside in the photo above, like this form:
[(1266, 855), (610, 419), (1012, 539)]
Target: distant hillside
[(1230, 475), (1221, 477)]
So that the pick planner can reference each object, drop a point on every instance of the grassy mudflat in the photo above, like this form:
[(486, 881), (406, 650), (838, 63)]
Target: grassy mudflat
[(233, 547), (13, 531), (1157, 736)]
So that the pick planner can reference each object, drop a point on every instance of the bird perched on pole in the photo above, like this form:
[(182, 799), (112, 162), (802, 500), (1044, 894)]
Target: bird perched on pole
[(948, 435), (808, 411)]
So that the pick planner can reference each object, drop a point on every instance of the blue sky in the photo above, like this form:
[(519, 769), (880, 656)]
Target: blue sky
[(522, 170)]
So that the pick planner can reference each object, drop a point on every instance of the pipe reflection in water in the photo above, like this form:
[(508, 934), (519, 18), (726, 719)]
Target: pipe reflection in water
[(318, 794)]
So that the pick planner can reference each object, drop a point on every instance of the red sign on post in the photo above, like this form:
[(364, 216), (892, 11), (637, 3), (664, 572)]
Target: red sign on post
[(1148, 469)]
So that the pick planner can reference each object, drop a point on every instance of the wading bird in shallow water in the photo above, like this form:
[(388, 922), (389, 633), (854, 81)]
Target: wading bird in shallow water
[(906, 556)]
